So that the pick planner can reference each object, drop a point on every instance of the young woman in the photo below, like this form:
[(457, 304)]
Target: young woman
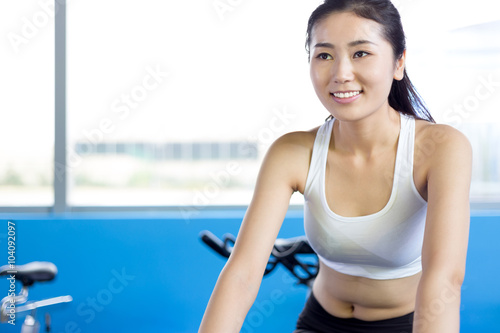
[(386, 191)]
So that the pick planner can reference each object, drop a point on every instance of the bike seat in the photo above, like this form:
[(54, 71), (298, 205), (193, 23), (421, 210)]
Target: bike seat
[(36, 271)]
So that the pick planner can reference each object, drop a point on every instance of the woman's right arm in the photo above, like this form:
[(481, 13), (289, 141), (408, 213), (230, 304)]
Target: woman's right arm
[(239, 281)]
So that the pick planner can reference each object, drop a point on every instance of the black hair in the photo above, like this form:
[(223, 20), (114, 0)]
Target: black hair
[(403, 96)]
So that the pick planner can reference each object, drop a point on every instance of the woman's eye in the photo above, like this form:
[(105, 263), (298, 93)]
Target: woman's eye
[(360, 54), (324, 56)]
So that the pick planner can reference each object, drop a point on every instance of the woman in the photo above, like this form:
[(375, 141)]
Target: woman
[(386, 191)]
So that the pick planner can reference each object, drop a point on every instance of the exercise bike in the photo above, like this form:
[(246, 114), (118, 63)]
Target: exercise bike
[(13, 303)]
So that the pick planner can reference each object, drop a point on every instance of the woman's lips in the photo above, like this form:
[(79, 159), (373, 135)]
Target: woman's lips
[(345, 97)]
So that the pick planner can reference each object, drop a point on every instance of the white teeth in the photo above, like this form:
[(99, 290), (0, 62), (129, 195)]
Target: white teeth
[(347, 95)]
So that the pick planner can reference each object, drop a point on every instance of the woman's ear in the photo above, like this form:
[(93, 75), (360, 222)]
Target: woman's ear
[(400, 67)]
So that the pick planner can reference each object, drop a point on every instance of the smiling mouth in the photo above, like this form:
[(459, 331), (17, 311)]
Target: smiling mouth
[(347, 94)]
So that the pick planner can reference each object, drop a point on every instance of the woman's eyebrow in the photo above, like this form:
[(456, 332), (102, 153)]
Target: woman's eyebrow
[(351, 44)]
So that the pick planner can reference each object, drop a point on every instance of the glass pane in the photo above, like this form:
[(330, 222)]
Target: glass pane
[(454, 61), (176, 102), (27, 103)]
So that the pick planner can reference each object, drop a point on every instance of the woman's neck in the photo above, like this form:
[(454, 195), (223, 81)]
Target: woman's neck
[(368, 136)]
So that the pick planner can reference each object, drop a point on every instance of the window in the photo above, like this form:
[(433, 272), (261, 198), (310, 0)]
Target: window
[(456, 67), (27, 103), (174, 103)]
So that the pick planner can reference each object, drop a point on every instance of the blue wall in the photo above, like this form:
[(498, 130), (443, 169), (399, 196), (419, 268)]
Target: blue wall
[(143, 272)]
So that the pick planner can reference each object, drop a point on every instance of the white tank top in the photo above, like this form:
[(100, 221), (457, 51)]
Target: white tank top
[(383, 245)]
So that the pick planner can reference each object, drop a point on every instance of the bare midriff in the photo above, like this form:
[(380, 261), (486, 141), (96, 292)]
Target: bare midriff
[(347, 296)]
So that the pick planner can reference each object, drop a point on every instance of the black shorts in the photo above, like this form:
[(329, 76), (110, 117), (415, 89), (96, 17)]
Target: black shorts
[(315, 319)]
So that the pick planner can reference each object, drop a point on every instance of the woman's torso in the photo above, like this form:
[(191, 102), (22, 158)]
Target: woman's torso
[(361, 188)]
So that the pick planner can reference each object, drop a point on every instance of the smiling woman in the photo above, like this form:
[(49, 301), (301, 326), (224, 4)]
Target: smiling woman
[(390, 230), (347, 47), (403, 96)]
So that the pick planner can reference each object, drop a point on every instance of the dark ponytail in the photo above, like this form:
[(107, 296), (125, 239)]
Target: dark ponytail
[(403, 96)]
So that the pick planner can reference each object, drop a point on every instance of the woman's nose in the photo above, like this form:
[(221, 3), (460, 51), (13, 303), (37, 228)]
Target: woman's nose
[(342, 71)]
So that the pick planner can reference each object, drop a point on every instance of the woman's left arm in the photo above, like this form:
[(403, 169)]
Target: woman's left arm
[(446, 234)]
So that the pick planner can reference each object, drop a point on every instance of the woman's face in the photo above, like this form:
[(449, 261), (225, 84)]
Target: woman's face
[(352, 66)]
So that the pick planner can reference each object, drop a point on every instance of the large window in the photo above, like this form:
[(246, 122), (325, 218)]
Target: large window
[(27, 103), (174, 103), (454, 60)]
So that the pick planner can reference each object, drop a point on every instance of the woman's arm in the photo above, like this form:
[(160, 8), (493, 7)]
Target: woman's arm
[(239, 281), (446, 232)]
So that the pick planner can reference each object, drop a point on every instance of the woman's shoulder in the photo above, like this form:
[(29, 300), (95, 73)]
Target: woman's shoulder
[(295, 144), (427, 132), (292, 152), (435, 141), (298, 138)]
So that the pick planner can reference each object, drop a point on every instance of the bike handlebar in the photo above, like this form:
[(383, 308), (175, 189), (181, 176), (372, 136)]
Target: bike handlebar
[(284, 251), (216, 244)]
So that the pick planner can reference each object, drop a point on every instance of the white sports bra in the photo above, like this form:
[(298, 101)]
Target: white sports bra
[(383, 245)]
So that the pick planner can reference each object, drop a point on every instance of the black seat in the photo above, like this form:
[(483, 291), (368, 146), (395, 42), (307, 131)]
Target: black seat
[(36, 271)]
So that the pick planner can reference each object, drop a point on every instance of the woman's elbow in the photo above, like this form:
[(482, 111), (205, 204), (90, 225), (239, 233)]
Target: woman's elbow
[(247, 277), (443, 281)]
